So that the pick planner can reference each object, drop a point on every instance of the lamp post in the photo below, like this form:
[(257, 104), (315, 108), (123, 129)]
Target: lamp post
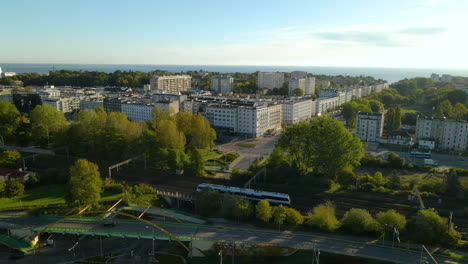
[(220, 257), (385, 231)]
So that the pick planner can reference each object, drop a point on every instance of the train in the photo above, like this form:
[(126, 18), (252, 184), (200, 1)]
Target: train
[(249, 194)]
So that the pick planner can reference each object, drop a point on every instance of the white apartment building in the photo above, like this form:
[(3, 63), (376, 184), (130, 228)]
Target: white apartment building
[(143, 112), (323, 83), (296, 83), (324, 105), (295, 111), (446, 78), (365, 90), (171, 84), (222, 84), (66, 105), (447, 134), (369, 126), (326, 93), (270, 80), (5, 95), (244, 120), (435, 77)]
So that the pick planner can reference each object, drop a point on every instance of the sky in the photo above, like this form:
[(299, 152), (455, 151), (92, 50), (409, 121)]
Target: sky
[(347, 33)]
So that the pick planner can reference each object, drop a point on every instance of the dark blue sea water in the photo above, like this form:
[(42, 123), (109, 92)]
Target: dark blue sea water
[(389, 74)]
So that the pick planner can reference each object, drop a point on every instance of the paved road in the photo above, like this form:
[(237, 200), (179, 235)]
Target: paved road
[(263, 147), (255, 236)]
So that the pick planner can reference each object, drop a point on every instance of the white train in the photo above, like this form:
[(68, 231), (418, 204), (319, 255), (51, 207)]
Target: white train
[(249, 194)]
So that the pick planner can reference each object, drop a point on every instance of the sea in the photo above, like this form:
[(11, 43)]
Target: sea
[(388, 74)]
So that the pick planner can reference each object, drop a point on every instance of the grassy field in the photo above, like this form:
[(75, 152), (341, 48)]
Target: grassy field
[(209, 154), (246, 145), (43, 196), (300, 257)]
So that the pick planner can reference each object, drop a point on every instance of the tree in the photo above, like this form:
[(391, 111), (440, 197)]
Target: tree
[(196, 164), (393, 119), (454, 186), (85, 182), (294, 217), (9, 120), (10, 159), (46, 121), (263, 211), (236, 207), (359, 220), (378, 176), (142, 193), (444, 109), (430, 228), (459, 111), (208, 201), (323, 216), (279, 215), (376, 106), (298, 92), (14, 188), (391, 219), (350, 110), (323, 144), (169, 135), (394, 182), (395, 161), (2, 188)]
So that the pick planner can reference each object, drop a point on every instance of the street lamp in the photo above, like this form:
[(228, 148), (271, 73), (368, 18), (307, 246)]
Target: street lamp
[(220, 257), (385, 230)]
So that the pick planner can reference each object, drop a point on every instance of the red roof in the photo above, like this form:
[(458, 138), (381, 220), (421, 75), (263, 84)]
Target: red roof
[(13, 173)]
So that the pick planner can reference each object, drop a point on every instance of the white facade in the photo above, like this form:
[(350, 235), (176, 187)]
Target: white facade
[(449, 135), (171, 84), (446, 78), (296, 83), (326, 93), (222, 84), (66, 105), (143, 112), (369, 126), (310, 86), (324, 105), (270, 80), (295, 111), (89, 104)]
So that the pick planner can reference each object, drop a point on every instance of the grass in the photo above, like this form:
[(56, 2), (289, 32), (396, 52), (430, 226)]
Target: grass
[(223, 160), (246, 145), (44, 196), (169, 259), (210, 153)]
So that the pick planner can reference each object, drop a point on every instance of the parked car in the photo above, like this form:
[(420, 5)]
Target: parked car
[(110, 223)]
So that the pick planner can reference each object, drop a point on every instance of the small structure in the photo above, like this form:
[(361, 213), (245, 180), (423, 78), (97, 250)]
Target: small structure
[(9, 175), (399, 138)]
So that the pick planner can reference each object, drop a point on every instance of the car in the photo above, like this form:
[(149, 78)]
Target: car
[(110, 223)]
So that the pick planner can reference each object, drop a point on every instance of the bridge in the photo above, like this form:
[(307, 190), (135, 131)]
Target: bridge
[(196, 236)]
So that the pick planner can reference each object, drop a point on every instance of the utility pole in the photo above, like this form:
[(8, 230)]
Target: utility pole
[(220, 257)]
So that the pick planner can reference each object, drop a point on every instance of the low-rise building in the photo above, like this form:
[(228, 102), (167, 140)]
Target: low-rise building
[(397, 138), (171, 84), (65, 105), (10, 175), (369, 126)]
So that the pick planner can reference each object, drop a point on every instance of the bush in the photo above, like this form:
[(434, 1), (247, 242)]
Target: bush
[(370, 160), (10, 159), (263, 211), (346, 177), (14, 188), (208, 202), (359, 220), (391, 219), (142, 193), (294, 217), (2, 187), (323, 216), (395, 161), (429, 227), (235, 207)]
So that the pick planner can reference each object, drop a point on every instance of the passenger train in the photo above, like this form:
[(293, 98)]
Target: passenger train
[(249, 194)]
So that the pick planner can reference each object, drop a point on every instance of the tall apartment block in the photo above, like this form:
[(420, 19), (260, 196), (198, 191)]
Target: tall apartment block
[(369, 126), (442, 134), (270, 80), (222, 84), (171, 84)]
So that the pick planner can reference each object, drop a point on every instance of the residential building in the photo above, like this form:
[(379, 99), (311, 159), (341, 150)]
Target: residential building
[(5, 95), (323, 83), (295, 111), (324, 105), (449, 135), (369, 126), (399, 138), (270, 80), (298, 75), (309, 86), (91, 103), (446, 78), (25, 102), (326, 93), (171, 84), (222, 84), (112, 104), (8, 74), (9, 175), (296, 83), (65, 105), (435, 77), (143, 112)]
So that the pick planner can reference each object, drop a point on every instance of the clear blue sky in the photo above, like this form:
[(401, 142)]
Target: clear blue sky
[(397, 33)]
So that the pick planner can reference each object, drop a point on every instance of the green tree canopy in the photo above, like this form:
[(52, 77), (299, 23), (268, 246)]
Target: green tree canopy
[(263, 211), (359, 220), (10, 159), (294, 217), (350, 110), (279, 214), (14, 188), (196, 164), (323, 144), (46, 121), (298, 92), (393, 119), (391, 219), (430, 228), (9, 119), (85, 182), (323, 216), (142, 193), (208, 201)]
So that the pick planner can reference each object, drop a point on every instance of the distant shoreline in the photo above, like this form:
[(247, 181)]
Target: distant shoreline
[(388, 74)]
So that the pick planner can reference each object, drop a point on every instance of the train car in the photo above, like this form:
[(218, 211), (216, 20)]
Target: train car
[(249, 194)]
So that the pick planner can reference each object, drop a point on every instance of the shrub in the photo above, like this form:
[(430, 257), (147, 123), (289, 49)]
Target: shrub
[(370, 160), (395, 161), (323, 216), (359, 220), (235, 207), (346, 177), (10, 159), (431, 228), (14, 188), (294, 217), (263, 211), (391, 219)]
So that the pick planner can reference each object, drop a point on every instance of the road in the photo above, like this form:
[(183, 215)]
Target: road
[(263, 147), (300, 240)]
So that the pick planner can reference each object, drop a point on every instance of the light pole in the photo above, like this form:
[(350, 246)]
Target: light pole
[(153, 242), (385, 230), (220, 257)]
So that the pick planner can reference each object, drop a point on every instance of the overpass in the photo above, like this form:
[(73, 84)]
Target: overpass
[(198, 236)]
